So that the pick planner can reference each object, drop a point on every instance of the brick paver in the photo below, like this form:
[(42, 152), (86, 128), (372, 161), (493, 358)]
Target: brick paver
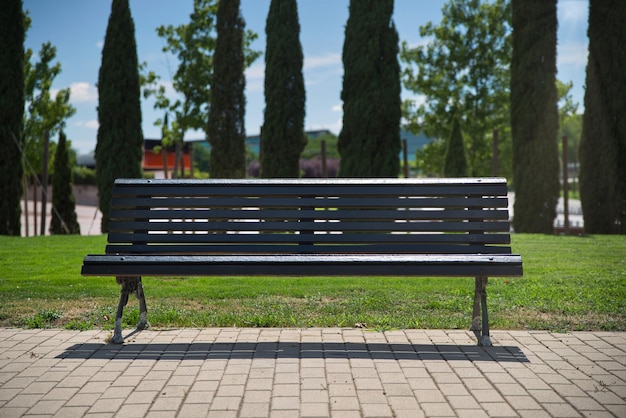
[(327, 372)]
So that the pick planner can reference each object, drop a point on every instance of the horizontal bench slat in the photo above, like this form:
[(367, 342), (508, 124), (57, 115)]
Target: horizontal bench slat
[(306, 265), (307, 202), (201, 225), (387, 248), (341, 214), (320, 187), (309, 238)]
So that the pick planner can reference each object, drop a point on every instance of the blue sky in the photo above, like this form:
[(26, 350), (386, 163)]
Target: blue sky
[(77, 29)]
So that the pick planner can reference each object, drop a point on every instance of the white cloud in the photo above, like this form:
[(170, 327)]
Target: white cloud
[(90, 124), (255, 71), (333, 127), (100, 45), (328, 60), (83, 92), (255, 76), (337, 108), (574, 54), (572, 12)]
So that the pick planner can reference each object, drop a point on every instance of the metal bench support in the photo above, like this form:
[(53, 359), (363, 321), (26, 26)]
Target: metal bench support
[(130, 284), (480, 313)]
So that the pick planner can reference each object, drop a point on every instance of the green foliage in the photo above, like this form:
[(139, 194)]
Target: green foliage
[(463, 66), (201, 157), (84, 175), (193, 44), (455, 163), (603, 143), (534, 115), (45, 115), (226, 129), (570, 122), (429, 160), (314, 146), (283, 127), (571, 127), (11, 115), (369, 142), (120, 138), (64, 219), (45, 318)]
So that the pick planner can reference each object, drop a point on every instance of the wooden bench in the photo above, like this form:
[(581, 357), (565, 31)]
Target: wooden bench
[(338, 227)]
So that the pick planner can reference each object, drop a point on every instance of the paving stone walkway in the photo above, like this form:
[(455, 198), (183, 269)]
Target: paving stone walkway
[(327, 372)]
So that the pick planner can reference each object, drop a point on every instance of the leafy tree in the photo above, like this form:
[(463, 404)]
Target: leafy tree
[(11, 115), (455, 164), (193, 44), (465, 66), (120, 138), (226, 131), (64, 219), (603, 143), (429, 160), (369, 142), (571, 126), (283, 128), (45, 115), (534, 115), (570, 122)]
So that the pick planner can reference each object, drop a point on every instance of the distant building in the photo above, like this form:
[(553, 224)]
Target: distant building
[(86, 160), (158, 162), (154, 162), (253, 142)]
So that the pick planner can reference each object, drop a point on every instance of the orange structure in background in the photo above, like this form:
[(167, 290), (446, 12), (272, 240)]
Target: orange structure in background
[(154, 161)]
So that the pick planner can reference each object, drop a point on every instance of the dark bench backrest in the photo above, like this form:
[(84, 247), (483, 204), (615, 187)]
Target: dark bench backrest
[(393, 216)]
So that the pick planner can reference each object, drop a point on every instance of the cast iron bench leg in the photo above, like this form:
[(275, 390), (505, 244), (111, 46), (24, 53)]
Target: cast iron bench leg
[(143, 310), (480, 313), (130, 284)]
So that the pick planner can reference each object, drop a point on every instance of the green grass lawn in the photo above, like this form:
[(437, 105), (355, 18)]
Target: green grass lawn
[(569, 283)]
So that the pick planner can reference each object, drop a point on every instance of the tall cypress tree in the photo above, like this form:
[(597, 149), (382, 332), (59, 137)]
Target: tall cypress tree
[(63, 201), (534, 115), (369, 142), (455, 161), (603, 143), (120, 139), (11, 115), (226, 131), (283, 128)]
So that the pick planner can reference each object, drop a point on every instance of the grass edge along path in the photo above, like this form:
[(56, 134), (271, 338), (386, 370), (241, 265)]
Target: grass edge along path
[(570, 283)]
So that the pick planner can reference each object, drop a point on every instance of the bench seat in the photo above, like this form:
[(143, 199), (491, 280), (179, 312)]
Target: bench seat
[(431, 265)]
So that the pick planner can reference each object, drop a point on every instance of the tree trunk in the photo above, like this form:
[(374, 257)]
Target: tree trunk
[(44, 182)]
